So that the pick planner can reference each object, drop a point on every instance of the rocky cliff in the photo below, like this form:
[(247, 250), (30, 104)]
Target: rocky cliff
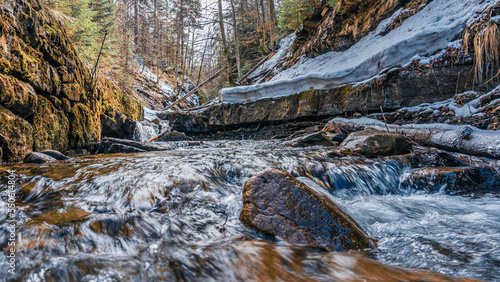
[(48, 99)]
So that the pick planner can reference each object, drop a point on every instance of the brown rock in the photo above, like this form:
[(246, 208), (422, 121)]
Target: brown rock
[(277, 204), (56, 217)]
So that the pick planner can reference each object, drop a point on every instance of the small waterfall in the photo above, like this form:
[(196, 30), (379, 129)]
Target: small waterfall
[(366, 179), (145, 130)]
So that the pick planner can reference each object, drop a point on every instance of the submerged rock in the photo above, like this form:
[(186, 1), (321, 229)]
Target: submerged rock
[(120, 148), (55, 154), (372, 143), (316, 139), (277, 204), (453, 180), (107, 143), (175, 136), (56, 217), (38, 158)]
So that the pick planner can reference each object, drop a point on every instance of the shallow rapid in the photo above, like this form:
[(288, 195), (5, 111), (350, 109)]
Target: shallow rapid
[(173, 215)]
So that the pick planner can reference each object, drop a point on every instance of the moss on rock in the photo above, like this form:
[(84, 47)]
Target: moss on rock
[(15, 136), (46, 93)]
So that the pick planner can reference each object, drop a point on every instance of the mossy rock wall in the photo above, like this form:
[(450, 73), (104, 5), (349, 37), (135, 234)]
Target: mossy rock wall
[(44, 85)]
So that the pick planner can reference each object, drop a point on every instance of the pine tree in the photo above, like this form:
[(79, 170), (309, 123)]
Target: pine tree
[(292, 12), (104, 14)]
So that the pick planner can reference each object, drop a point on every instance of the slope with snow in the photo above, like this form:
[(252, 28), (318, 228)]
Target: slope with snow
[(428, 31)]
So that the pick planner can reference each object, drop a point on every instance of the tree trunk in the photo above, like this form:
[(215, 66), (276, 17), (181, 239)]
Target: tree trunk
[(230, 78), (259, 27), (136, 23), (264, 47), (235, 38), (272, 22), (201, 63)]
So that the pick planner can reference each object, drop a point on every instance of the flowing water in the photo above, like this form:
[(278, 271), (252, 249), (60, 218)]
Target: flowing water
[(145, 130), (173, 216)]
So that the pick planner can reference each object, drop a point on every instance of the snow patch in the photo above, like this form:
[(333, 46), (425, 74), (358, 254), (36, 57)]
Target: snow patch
[(285, 45), (426, 32), (149, 114)]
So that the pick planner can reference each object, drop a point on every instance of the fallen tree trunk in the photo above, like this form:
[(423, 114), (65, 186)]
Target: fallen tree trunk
[(461, 139)]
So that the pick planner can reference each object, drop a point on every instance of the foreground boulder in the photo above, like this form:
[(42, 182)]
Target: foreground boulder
[(316, 139), (277, 204), (372, 143), (453, 180)]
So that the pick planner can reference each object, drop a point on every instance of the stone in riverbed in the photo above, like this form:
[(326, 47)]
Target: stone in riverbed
[(175, 136), (121, 148), (38, 158), (56, 217), (316, 139), (277, 204), (453, 180), (55, 154), (372, 143)]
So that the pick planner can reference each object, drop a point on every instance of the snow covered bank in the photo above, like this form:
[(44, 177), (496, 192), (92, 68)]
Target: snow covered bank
[(283, 52), (428, 31)]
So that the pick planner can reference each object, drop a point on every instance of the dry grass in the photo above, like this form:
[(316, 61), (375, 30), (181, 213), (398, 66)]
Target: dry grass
[(486, 52)]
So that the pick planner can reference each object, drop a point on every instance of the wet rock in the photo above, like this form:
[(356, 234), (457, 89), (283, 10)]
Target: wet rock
[(15, 136), (432, 157), (43, 84), (118, 126), (316, 139), (277, 204), (77, 152), (453, 180), (38, 158), (56, 217), (120, 148), (374, 143), (55, 154), (112, 227), (175, 136), (106, 143)]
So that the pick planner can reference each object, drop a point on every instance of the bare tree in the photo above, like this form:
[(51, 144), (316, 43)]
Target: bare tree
[(229, 70), (272, 19), (235, 38)]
